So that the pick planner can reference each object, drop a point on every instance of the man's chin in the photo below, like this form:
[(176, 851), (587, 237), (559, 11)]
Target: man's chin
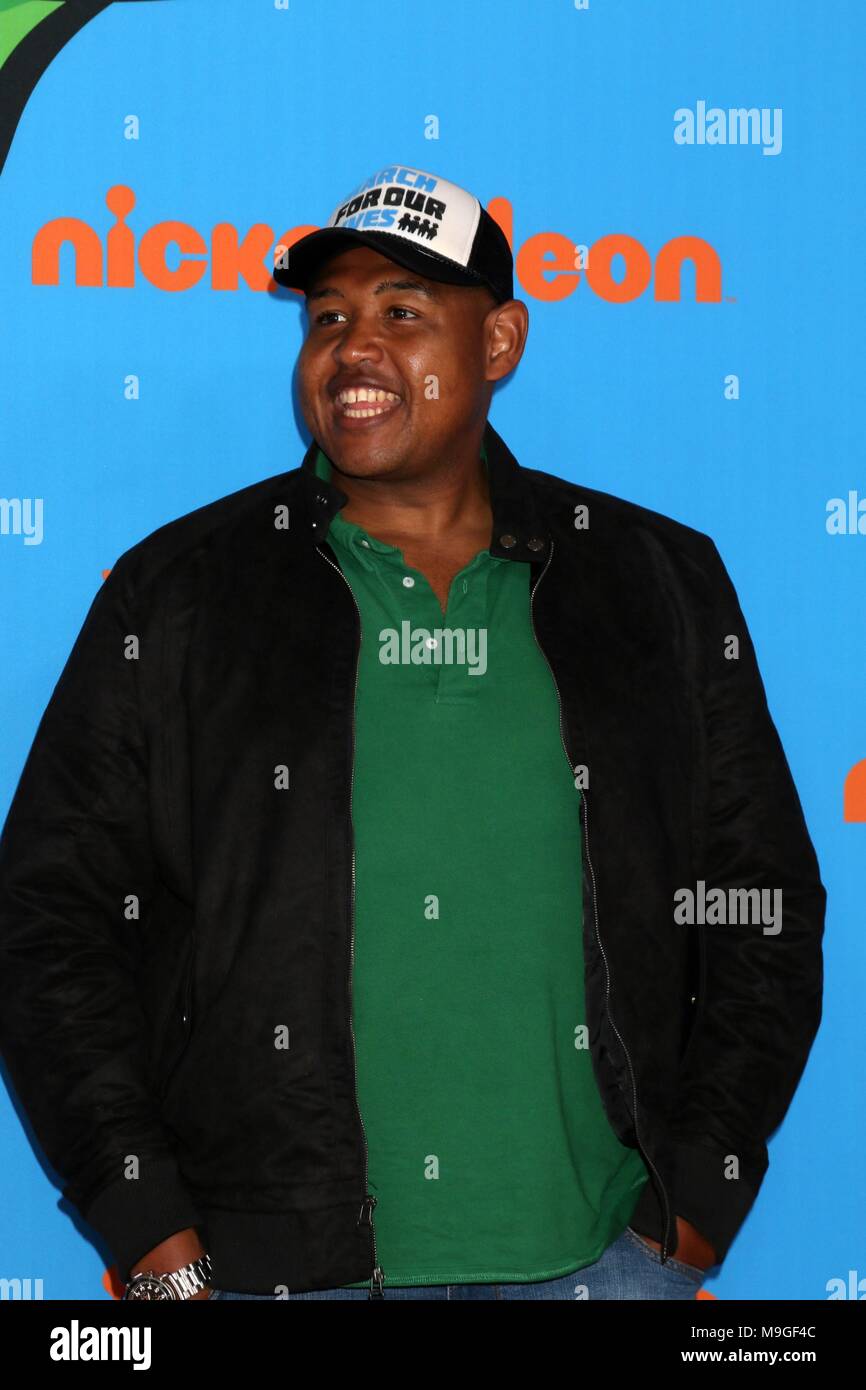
[(359, 459)]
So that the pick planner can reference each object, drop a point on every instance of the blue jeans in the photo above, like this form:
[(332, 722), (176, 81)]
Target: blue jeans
[(629, 1268)]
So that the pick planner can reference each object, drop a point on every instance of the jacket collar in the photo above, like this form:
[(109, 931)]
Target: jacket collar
[(520, 531)]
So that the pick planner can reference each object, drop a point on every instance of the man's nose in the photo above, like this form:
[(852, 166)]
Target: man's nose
[(359, 338)]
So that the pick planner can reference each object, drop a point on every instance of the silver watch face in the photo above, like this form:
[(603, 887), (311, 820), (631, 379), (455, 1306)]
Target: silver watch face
[(148, 1287)]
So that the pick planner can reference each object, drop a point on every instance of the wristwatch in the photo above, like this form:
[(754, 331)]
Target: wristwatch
[(179, 1284)]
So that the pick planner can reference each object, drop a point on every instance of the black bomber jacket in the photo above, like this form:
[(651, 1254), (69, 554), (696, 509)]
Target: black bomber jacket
[(177, 875)]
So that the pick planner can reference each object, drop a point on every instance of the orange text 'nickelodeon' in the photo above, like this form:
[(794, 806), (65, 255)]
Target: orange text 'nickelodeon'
[(548, 265)]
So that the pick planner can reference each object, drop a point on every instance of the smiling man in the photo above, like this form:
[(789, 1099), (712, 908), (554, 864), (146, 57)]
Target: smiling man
[(385, 1023), (396, 374), (406, 422)]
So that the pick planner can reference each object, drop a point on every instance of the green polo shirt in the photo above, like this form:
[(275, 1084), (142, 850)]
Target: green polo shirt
[(488, 1147)]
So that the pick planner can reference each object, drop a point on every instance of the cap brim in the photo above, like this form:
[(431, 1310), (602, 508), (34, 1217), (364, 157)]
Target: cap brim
[(311, 252)]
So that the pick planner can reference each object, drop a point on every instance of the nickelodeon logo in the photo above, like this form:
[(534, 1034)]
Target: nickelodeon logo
[(230, 256)]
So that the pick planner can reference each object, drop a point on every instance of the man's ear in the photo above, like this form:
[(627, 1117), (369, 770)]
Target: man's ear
[(507, 327)]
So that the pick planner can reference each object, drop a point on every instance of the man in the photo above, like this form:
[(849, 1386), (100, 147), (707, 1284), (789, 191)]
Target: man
[(313, 978)]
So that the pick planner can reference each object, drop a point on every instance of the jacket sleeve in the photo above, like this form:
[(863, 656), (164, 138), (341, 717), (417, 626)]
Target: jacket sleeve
[(760, 998), (74, 850)]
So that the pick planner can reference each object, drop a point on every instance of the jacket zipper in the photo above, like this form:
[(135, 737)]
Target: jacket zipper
[(366, 1214), (583, 808)]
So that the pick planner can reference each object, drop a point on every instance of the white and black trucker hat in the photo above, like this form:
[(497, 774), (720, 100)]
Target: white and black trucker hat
[(417, 219)]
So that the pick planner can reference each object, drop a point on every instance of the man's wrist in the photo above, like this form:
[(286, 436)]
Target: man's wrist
[(179, 1252), (171, 1254)]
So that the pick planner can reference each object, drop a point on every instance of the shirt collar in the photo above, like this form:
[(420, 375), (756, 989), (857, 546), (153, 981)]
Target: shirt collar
[(349, 534), (519, 532)]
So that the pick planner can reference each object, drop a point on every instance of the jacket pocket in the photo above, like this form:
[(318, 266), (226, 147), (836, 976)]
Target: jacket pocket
[(248, 1118)]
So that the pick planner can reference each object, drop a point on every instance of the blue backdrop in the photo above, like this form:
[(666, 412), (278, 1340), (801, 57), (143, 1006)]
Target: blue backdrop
[(739, 412)]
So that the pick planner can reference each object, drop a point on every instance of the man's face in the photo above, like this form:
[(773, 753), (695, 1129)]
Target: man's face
[(423, 348)]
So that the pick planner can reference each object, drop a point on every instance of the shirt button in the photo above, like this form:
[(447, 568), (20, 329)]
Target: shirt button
[(408, 581), (366, 543), (431, 642), (507, 541)]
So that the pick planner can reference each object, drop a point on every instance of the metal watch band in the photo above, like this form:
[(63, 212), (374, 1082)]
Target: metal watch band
[(191, 1278), (183, 1283)]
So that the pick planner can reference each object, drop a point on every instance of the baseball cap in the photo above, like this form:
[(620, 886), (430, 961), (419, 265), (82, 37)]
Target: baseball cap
[(417, 219)]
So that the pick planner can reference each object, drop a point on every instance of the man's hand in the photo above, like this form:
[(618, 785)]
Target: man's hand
[(179, 1250), (691, 1247)]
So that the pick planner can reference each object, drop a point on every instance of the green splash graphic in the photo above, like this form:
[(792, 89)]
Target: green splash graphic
[(17, 18)]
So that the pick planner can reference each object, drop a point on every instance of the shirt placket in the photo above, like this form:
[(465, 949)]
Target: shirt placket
[(411, 600), (467, 613)]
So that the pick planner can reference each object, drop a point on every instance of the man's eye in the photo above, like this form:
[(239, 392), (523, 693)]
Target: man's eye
[(328, 315)]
